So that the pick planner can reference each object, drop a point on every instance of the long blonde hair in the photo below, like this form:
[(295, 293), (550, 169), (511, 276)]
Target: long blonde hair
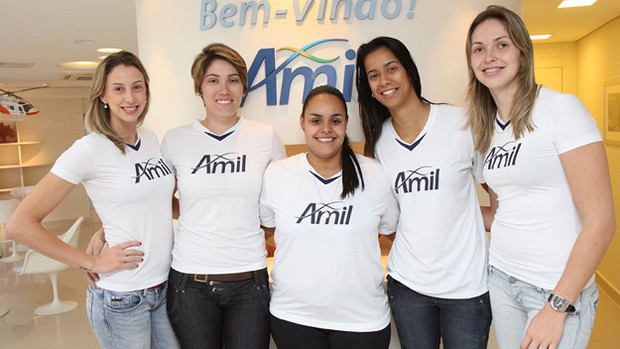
[(97, 116), (481, 108)]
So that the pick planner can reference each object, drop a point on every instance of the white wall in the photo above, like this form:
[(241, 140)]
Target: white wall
[(169, 37)]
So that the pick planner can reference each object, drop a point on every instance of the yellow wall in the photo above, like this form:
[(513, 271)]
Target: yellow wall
[(556, 66), (598, 57), (583, 68)]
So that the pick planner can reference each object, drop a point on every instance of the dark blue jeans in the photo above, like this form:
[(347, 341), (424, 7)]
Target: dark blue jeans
[(214, 314), (422, 321), (289, 335)]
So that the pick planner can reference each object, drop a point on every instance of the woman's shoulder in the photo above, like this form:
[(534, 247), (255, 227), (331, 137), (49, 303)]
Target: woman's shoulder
[(557, 104), (257, 126), (287, 165), (368, 164), (449, 112)]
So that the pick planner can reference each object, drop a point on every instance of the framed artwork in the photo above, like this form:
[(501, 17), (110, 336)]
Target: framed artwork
[(612, 112)]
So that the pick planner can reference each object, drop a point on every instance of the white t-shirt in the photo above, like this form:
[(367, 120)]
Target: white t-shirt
[(440, 248), (537, 221), (219, 179), (132, 194), (327, 269)]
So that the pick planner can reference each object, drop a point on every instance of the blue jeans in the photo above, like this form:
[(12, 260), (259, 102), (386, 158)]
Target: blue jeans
[(423, 321), (128, 320), (233, 314), (516, 302)]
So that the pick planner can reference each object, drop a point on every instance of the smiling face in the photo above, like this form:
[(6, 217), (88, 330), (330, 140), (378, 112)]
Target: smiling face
[(324, 123), (388, 79), (494, 58), (221, 89), (126, 94)]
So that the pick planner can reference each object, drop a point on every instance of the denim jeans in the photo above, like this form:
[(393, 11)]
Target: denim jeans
[(515, 303), (423, 321), (289, 335), (130, 320), (210, 315)]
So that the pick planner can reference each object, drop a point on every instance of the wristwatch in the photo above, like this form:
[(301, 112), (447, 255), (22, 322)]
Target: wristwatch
[(561, 304)]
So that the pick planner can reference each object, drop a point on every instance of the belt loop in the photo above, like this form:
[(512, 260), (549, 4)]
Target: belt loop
[(259, 276), (184, 278), (256, 274)]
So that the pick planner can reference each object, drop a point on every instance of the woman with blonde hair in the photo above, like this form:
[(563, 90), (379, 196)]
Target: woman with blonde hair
[(130, 185), (545, 163)]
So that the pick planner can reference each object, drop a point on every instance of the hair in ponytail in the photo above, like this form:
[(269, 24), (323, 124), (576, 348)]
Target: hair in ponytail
[(351, 171)]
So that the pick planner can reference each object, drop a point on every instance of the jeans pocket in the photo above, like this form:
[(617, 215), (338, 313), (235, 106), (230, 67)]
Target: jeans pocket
[(594, 306), (263, 293), (121, 302)]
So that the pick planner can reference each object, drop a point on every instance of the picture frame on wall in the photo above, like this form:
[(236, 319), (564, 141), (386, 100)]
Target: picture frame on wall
[(612, 112)]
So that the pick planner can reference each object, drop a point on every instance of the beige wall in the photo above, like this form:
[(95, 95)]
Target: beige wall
[(583, 68), (598, 61), (57, 126)]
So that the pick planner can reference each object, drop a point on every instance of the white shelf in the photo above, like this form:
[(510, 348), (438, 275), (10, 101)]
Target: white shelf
[(5, 167), (18, 157), (19, 143)]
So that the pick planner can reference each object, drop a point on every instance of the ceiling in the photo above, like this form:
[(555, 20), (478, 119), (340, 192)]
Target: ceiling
[(44, 33)]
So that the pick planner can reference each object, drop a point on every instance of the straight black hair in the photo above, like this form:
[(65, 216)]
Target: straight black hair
[(351, 170)]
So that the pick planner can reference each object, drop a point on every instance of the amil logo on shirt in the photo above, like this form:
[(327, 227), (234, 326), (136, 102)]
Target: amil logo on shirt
[(221, 163), (502, 156), (423, 178), (335, 213), (151, 169)]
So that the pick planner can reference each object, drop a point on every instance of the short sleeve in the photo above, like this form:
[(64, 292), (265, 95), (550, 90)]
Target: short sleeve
[(389, 220), (76, 164), (478, 164), (277, 149), (572, 124), (267, 215), (165, 152)]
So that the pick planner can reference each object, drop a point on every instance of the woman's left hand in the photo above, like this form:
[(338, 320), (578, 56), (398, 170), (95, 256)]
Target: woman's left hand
[(545, 330)]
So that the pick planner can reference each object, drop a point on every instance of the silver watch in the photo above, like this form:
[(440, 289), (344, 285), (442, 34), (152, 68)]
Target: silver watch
[(561, 304)]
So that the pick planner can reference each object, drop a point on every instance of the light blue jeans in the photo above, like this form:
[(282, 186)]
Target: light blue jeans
[(130, 320), (514, 303)]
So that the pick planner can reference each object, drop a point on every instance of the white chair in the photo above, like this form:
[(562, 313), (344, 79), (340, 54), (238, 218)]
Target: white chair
[(7, 207), (36, 263), (21, 192)]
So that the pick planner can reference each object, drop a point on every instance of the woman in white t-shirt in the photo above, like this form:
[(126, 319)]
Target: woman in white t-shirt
[(545, 161), (130, 185), (219, 287), (327, 206), (438, 262)]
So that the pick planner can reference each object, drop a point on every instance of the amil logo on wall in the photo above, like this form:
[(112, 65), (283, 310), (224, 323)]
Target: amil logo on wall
[(266, 59)]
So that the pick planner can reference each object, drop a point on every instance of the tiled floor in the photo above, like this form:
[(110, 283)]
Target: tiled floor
[(21, 329)]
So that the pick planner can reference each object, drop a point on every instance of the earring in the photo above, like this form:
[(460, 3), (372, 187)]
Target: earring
[(105, 105), (372, 95)]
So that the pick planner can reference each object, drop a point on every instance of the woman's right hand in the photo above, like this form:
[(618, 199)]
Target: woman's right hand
[(121, 256)]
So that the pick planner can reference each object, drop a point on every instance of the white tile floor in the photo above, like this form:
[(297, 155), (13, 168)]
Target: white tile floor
[(21, 329)]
